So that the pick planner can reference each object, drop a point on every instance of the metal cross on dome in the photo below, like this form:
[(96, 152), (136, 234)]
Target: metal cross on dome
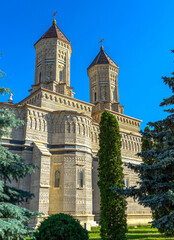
[(101, 41), (54, 15)]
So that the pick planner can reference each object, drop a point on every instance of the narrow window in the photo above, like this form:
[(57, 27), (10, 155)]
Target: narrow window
[(95, 96), (40, 77), (60, 75), (113, 95), (57, 179), (73, 127), (68, 127), (126, 183), (81, 179)]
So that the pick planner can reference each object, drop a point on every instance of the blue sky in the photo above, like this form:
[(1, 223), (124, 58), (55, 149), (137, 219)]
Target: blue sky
[(138, 36)]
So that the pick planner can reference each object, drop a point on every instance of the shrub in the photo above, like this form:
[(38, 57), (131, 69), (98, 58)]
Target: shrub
[(61, 226)]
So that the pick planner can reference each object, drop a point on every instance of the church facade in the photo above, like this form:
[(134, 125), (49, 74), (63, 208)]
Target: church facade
[(60, 134)]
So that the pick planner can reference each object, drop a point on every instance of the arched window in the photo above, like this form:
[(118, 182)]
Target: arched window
[(83, 129), (73, 127), (78, 128), (57, 179), (126, 183), (92, 137), (113, 95), (68, 127), (81, 179), (40, 77), (60, 75), (35, 123), (95, 96)]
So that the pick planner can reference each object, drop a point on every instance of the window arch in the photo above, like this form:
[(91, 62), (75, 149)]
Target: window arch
[(73, 127), (57, 179), (95, 96), (81, 179), (83, 129), (126, 183), (60, 75), (78, 127), (68, 127), (112, 95), (40, 77)]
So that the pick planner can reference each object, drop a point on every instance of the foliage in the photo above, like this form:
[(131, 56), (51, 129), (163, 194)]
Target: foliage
[(156, 173), (110, 172), (61, 226), (13, 218), (147, 144), (2, 89)]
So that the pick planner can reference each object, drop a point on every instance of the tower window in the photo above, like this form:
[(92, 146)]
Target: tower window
[(60, 75), (40, 77), (81, 179), (57, 179), (113, 95), (95, 96), (126, 183)]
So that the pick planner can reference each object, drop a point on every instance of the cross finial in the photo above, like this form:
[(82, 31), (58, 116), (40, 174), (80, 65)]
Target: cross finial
[(101, 41), (54, 15)]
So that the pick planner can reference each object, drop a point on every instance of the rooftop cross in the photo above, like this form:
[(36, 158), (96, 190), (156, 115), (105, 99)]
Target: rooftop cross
[(54, 15), (101, 41)]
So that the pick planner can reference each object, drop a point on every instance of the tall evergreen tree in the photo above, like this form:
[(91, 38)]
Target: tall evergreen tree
[(147, 144), (14, 219), (156, 173), (110, 172)]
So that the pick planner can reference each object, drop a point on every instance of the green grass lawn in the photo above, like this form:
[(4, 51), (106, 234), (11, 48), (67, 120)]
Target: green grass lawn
[(141, 232)]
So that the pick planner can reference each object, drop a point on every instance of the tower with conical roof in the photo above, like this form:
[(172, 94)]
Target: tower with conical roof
[(52, 65), (103, 75)]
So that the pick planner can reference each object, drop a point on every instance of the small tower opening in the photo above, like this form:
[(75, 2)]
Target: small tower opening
[(60, 75), (40, 77), (81, 179), (57, 179), (95, 96), (112, 95)]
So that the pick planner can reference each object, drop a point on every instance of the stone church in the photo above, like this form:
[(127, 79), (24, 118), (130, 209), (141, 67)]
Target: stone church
[(61, 133)]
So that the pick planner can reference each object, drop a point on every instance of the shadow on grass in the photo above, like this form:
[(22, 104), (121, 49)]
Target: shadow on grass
[(140, 231), (95, 238), (153, 236)]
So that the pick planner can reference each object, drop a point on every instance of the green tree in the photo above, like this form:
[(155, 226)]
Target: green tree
[(14, 219), (156, 173), (62, 227), (147, 144), (110, 172)]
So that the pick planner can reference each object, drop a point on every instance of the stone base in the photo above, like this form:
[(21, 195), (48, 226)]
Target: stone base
[(87, 221), (138, 219)]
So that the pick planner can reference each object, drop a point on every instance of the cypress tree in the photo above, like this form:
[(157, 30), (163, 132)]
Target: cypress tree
[(14, 218), (110, 172), (156, 173)]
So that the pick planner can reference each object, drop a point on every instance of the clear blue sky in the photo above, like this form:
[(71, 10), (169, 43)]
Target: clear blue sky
[(139, 35)]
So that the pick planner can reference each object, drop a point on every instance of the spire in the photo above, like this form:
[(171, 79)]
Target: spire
[(54, 32), (102, 58)]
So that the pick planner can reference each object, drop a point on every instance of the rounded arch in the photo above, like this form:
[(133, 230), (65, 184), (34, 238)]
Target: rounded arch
[(40, 77), (73, 127), (57, 179)]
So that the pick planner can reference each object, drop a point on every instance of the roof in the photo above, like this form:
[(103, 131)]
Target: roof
[(54, 32), (102, 58)]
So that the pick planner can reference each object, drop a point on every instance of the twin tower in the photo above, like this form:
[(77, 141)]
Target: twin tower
[(52, 71)]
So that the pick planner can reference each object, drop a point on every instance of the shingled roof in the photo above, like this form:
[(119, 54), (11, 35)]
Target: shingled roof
[(102, 58), (54, 32)]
